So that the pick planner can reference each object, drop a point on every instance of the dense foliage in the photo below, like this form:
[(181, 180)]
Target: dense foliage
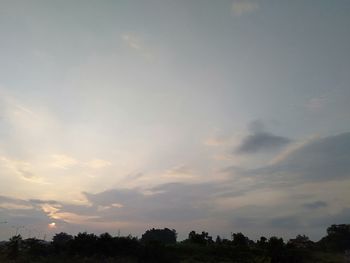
[(160, 245)]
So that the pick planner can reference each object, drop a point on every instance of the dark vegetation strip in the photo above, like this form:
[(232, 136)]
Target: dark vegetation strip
[(160, 245)]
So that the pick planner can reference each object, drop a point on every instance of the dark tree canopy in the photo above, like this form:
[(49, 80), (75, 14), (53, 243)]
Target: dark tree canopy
[(338, 237), (164, 236), (301, 241), (240, 240), (201, 239), (61, 239), (159, 246)]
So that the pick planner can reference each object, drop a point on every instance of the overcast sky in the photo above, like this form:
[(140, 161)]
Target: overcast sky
[(224, 116)]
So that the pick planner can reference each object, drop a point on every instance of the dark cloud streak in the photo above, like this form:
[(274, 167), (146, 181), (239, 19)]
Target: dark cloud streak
[(315, 205), (261, 141)]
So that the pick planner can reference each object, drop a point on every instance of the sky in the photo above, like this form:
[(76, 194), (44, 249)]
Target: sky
[(223, 116)]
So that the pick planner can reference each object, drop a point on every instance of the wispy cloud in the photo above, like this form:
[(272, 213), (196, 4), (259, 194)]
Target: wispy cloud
[(316, 104), (137, 44), (63, 161), (22, 169), (98, 163), (26, 120), (240, 7), (217, 140), (180, 172), (11, 206), (219, 137), (292, 147)]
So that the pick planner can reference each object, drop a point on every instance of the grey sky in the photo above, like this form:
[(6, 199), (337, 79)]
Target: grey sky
[(157, 106)]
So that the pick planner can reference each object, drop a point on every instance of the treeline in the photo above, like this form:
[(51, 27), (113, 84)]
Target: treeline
[(160, 245)]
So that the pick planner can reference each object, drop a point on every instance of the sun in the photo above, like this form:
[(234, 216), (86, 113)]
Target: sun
[(52, 225)]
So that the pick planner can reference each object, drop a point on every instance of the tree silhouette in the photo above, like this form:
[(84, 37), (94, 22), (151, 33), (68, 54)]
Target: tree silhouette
[(61, 242), (275, 249), (240, 240), (201, 239), (159, 245), (13, 246), (164, 236), (338, 238), (35, 247), (84, 244), (301, 241), (105, 245)]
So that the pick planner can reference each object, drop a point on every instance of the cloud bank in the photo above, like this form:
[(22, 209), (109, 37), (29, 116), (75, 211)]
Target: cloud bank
[(322, 159)]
